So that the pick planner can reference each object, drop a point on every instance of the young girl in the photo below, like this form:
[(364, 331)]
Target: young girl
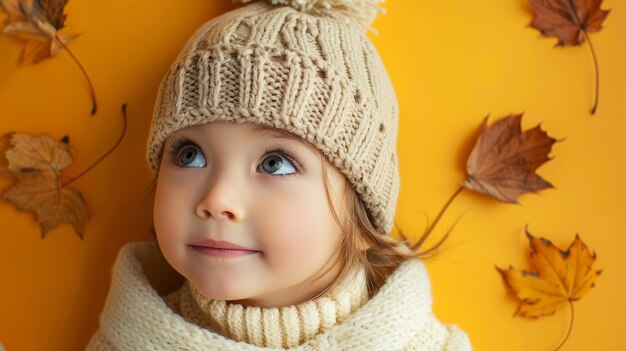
[(273, 149)]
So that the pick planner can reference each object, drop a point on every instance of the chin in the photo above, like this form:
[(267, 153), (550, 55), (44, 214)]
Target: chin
[(231, 293)]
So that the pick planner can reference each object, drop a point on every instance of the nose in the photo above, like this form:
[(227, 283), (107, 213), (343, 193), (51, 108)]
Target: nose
[(222, 201)]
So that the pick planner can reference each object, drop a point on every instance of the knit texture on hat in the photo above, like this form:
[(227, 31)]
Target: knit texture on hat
[(316, 76), (287, 326)]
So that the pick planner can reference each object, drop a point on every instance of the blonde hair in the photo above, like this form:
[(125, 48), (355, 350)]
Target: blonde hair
[(361, 244)]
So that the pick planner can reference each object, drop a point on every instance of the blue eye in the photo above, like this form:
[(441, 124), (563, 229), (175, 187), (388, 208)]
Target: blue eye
[(275, 162), (187, 157), (186, 153)]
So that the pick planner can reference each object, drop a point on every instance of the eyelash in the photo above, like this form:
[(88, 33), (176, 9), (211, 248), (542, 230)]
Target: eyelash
[(178, 143)]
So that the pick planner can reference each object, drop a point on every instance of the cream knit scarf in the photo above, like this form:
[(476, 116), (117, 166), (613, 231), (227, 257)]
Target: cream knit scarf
[(136, 317), (272, 327)]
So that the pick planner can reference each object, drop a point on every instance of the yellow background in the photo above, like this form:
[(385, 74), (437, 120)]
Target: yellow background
[(452, 63)]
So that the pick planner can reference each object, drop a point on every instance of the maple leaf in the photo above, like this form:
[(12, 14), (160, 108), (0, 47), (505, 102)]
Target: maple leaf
[(503, 160), (570, 21), (36, 163), (502, 164), (37, 24), (557, 278)]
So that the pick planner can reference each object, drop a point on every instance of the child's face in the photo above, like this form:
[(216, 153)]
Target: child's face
[(225, 184)]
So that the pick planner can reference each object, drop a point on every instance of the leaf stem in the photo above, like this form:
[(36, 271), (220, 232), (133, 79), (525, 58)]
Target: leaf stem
[(72, 179), (571, 323), (595, 62), (430, 228), (92, 92), (581, 26)]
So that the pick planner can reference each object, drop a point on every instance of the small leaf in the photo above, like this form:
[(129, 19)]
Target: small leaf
[(503, 160), (568, 20), (36, 23), (557, 277), (36, 163)]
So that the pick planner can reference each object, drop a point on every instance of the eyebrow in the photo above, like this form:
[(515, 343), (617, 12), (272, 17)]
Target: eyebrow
[(261, 130)]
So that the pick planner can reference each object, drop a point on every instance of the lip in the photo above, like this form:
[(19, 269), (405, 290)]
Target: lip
[(224, 253), (224, 249), (223, 245)]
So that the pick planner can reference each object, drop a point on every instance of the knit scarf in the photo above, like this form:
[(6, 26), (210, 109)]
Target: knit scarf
[(136, 317), (272, 327)]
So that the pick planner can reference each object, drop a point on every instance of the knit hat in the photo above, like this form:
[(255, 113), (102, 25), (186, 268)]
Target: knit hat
[(303, 66)]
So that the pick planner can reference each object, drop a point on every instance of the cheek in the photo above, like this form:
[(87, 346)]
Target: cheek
[(169, 220), (298, 234)]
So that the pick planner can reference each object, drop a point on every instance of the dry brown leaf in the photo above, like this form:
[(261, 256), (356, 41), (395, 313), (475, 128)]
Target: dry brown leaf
[(36, 162), (503, 160), (570, 21), (36, 23)]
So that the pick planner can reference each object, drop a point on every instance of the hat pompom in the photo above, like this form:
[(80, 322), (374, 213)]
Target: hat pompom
[(363, 11)]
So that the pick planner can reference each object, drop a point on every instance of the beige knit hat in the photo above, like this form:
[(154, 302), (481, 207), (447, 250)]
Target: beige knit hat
[(304, 66)]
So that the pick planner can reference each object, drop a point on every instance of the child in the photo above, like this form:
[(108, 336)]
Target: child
[(273, 149)]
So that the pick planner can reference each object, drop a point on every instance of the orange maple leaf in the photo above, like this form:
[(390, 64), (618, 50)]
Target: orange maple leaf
[(557, 278), (503, 160), (36, 163)]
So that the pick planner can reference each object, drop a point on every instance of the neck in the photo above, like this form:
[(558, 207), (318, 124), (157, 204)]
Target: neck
[(306, 291)]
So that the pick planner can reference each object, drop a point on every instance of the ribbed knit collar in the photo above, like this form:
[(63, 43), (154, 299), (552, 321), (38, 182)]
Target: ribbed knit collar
[(275, 326), (136, 316)]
